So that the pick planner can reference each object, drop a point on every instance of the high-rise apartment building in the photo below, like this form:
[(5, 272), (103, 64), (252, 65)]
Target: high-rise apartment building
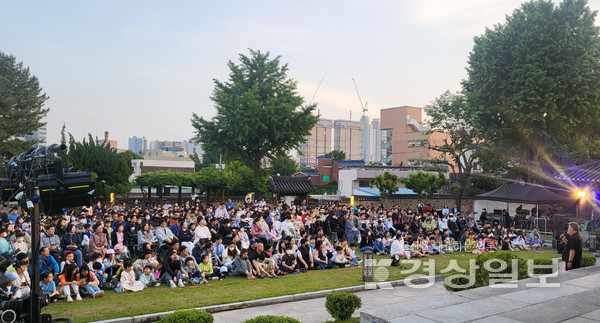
[(318, 143), (348, 137), (375, 141), (137, 145), (366, 138), (404, 138), (192, 146)]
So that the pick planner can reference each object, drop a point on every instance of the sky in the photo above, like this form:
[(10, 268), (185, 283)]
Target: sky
[(141, 68)]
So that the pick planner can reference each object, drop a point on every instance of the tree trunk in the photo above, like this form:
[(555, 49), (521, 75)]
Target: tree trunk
[(207, 196), (463, 182), (149, 193), (256, 168)]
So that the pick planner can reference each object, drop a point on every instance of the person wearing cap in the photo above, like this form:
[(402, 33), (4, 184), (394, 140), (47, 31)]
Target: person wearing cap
[(11, 290)]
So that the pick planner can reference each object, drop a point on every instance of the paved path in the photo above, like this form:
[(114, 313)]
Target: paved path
[(313, 310), (576, 299)]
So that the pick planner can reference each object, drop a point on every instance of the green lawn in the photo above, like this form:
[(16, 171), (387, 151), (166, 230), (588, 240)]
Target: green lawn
[(235, 289)]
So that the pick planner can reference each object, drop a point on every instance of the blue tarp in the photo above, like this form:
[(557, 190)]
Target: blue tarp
[(367, 191)]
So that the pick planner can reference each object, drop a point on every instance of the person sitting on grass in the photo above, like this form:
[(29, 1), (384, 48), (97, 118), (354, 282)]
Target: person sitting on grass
[(339, 260), (266, 266), (69, 284), (319, 255), (288, 261), (171, 270), (207, 269), (398, 251), (506, 246), (520, 242), (49, 286), (535, 243), (147, 277), (11, 289), (141, 263), (471, 244), (90, 282), (417, 250), (243, 266), (128, 282), (192, 272)]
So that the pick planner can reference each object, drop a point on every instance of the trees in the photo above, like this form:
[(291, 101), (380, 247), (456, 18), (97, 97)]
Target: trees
[(337, 154), (259, 112), (424, 184), (533, 85), (459, 149), (110, 170), (21, 105), (387, 185), (283, 165)]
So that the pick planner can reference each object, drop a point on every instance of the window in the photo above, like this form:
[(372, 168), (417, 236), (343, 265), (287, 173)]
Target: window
[(414, 162), (419, 143), (408, 116), (411, 143), (364, 184), (325, 178), (386, 146)]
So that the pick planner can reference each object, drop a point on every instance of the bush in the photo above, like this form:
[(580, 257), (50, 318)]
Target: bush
[(482, 275), (272, 319), (341, 305), (588, 260), (545, 262), (350, 320), (188, 316)]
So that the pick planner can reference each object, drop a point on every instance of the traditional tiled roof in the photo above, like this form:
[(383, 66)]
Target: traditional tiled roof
[(308, 173), (584, 173), (291, 185)]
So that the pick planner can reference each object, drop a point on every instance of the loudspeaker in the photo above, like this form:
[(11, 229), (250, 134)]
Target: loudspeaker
[(73, 189), (560, 223)]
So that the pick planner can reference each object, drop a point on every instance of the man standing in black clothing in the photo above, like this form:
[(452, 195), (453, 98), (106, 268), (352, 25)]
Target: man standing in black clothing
[(573, 248)]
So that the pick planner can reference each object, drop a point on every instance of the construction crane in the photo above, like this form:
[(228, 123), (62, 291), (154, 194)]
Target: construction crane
[(363, 107)]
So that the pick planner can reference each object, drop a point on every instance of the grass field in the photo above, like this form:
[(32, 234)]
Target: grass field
[(236, 289)]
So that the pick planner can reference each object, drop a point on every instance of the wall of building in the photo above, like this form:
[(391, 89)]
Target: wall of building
[(348, 138), (318, 143), (350, 177)]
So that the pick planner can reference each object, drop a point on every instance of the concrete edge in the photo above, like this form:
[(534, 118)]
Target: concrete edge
[(274, 300)]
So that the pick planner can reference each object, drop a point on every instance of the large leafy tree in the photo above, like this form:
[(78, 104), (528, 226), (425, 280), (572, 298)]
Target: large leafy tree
[(21, 105), (534, 85), (424, 184), (259, 112), (283, 165), (458, 149), (387, 185), (110, 170)]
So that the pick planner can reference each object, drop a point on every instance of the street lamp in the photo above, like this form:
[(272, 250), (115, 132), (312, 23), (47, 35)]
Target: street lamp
[(367, 267)]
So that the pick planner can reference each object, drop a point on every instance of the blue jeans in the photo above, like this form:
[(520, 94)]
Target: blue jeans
[(378, 246), (78, 257), (365, 248), (352, 236), (320, 264), (91, 289)]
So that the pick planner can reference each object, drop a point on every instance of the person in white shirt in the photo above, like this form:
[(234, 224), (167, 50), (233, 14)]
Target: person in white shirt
[(221, 212), (201, 232), (397, 250)]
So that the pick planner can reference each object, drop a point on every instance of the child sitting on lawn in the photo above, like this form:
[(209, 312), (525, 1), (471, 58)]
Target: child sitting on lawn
[(49, 286), (147, 277), (128, 281), (89, 281), (192, 272), (288, 261), (535, 243), (471, 245), (338, 259)]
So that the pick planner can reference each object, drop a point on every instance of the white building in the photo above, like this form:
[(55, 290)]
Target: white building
[(40, 136), (141, 166), (137, 145), (352, 177)]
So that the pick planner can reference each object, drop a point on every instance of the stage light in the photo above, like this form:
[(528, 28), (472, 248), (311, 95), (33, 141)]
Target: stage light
[(581, 194)]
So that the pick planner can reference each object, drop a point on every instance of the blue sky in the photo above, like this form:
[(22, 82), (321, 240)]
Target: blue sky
[(142, 67)]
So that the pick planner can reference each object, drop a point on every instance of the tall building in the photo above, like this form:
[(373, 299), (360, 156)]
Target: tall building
[(404, 138), (366, 138), (39, 136), (192, 147), (137, 145), (375, 141), (318, 143), (348, 137)]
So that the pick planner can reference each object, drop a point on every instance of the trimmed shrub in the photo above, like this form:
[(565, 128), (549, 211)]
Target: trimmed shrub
[(188, 316), (341, 305), (588, 260), (545, 262), (272, 319), (488, 263)]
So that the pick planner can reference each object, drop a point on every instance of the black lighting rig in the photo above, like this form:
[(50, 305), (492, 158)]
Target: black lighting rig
[(37, 180)]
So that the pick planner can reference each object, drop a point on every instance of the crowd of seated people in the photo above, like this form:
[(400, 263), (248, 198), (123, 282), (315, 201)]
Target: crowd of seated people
[(130, 247)]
